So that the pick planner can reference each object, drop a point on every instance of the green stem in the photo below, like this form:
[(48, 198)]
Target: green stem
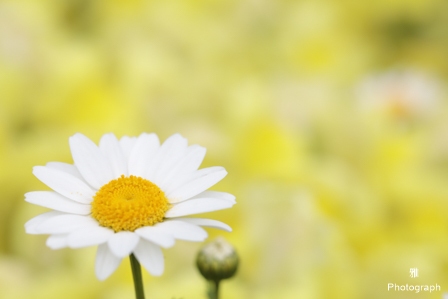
[(213, 290), (137, 275), (217, 289)]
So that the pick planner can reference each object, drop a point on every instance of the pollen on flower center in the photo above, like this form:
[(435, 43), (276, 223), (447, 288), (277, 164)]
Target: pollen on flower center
[(128, 203)]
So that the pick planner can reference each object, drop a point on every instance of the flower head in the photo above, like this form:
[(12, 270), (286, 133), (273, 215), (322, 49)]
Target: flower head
[(127, 196)]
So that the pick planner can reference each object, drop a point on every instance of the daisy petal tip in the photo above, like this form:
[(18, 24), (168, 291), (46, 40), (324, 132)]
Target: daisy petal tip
[(105, 263), (29, 230), (169, 245), (176, 135), (101, 276), (37, 168), (207, 223), (166, 243), (52, 247), (107, 136), (157, 274), (226, 228), (77, 135), (203, 235), (72, 245), (148, 135), (222, 170), (55, 242)]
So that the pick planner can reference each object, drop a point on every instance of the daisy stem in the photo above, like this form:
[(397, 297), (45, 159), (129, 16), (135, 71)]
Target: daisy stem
[(137, 275)]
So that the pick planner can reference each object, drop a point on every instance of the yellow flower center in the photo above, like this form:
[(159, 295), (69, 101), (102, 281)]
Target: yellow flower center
[(128, 203)]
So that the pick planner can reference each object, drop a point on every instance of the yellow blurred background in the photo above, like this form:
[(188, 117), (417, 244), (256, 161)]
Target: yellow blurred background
[(331, 118)]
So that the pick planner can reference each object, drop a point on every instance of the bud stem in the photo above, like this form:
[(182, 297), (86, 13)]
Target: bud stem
[(217, 289), (137, 275), (213, 292)]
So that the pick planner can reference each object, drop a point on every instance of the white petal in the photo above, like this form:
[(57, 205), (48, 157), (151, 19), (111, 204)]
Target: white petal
[(168, 154), (207, 223), (216, 194), (68, 168), (65, 223), (123, 243), (184, 179), (55, 201), (57, 241), (127, 144), (90, 161), (142, 154), (193, 158), (111, 149), (64, 183), (201, 181), (196, 206), (156, 235), (30, 226), (105, 263), (183, 230), (186, 165), (151, 257), (89, 236)]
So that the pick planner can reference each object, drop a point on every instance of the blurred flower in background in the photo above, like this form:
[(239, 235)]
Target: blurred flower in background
[(405, 94), (331, 117)]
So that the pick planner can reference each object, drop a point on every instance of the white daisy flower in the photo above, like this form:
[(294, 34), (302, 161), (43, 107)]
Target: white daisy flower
[(402, 93), (127, 196)]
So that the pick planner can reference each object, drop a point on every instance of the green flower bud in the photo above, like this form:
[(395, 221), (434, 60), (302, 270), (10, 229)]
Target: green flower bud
[(217, 260)]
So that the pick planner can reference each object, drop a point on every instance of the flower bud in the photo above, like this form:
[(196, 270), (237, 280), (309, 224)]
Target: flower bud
[(217, 260)]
